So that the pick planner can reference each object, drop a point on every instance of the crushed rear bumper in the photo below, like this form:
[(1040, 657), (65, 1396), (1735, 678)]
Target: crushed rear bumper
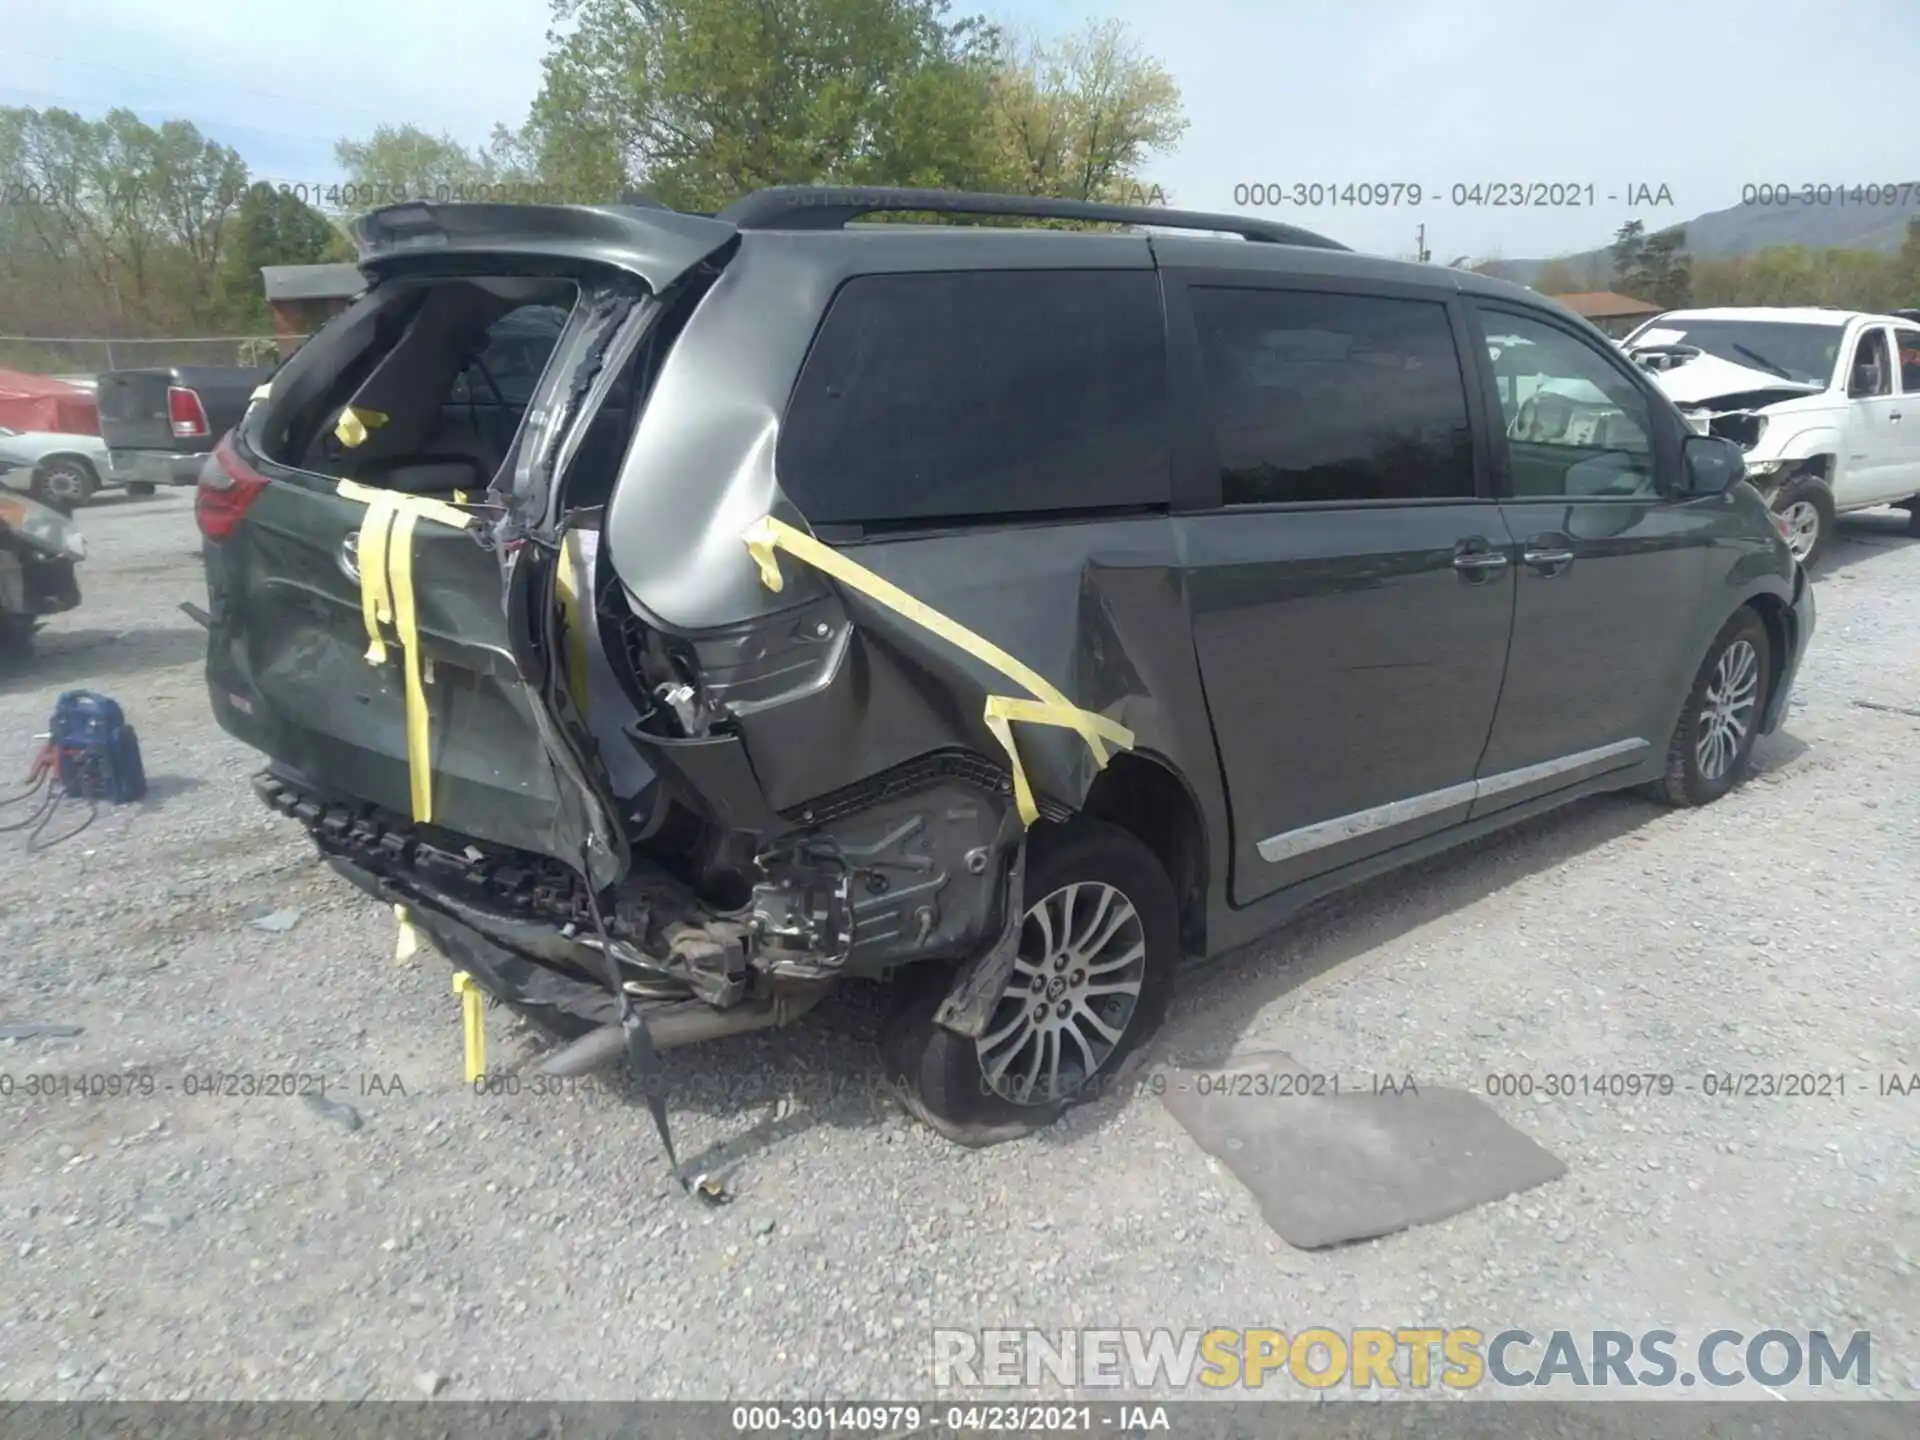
[(518, 917)]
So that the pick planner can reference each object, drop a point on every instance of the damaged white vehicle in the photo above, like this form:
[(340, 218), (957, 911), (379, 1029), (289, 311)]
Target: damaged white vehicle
[(1817, 398)]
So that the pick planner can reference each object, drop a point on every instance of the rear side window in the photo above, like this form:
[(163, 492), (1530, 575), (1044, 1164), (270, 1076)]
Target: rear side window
[(1907, 342), (981, 394), (517, 349), (1334, 397)]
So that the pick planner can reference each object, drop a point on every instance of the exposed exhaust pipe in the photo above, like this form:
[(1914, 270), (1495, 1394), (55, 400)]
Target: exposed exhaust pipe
[(673, 1026)]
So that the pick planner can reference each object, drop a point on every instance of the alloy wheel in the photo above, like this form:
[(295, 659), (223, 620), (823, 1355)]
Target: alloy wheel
[(1075, 987), (1726, 710), (1803, 528)]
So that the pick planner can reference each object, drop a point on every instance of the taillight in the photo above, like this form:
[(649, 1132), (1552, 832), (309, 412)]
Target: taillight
[(1780, 524), (228, 485), (184, 410)]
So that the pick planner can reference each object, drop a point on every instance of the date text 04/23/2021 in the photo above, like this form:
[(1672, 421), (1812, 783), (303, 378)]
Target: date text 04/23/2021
[(193, 1085), (1460, 194)]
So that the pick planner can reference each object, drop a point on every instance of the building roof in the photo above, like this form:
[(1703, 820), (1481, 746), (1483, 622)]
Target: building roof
[(1604, 305), (312, 282)]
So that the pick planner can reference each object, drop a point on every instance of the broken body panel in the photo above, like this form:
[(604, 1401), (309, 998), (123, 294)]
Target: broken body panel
[(770, 789)]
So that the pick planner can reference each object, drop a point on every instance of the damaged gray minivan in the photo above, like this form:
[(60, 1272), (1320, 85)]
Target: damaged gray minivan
[(628, 595)]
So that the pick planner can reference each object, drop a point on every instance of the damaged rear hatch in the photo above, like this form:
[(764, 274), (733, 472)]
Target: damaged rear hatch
[(386, 574)]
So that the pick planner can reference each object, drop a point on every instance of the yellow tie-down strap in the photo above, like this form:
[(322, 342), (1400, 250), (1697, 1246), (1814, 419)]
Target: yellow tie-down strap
[(386, 598), (1048, 707), (473, 1025), (353, 425)]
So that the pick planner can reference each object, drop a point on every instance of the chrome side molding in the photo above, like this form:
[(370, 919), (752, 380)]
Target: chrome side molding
[(1322, 833)]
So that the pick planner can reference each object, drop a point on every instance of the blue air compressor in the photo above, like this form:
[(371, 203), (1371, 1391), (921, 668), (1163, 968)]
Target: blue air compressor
[(94, 751)]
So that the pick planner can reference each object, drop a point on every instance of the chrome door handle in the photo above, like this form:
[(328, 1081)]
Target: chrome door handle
[(1480, 560), (1548, 557)]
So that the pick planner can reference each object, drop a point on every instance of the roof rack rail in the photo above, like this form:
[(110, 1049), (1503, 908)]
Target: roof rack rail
[(831, 207)]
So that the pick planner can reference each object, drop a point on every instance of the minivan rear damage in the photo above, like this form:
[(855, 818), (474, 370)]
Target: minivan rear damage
[(411, 611)]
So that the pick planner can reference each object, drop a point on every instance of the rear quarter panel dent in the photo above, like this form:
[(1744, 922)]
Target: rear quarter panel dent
[(1097, 608)]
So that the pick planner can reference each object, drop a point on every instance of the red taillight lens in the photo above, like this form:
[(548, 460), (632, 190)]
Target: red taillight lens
[(228, 485), (188, 415)]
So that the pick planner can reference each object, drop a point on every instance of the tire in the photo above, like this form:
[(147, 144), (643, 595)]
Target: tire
[(1690, 778), (1913, 516), (972, 1092), (64, 485), (141, 487), (16, 639), (1806, 504)]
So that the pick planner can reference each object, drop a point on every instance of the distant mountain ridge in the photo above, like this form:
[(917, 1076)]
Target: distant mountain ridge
[(1742, 229)]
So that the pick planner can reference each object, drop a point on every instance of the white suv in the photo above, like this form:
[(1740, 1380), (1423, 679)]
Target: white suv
[(1819, 400)]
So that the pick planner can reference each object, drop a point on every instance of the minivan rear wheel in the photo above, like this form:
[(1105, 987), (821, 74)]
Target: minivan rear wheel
[(1098, 949), (1713, 743)]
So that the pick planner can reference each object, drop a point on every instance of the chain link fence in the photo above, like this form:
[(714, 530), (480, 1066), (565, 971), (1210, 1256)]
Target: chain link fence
[(86, 357)]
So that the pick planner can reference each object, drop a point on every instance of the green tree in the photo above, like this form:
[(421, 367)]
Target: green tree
[(398, 161), (1629, 242), (272, 227), (1079, 117), (1906, 267), (700, 101), (1655, 268), (126, 223)]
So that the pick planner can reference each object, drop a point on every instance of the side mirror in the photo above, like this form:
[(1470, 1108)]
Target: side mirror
[(1713, 465)]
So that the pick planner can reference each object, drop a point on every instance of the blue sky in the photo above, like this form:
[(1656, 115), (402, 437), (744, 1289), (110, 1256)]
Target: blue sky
[(1701, 96)]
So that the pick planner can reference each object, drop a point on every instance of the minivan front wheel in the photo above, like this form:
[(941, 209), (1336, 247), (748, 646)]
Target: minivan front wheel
[(1713, 743), (1098, 948)]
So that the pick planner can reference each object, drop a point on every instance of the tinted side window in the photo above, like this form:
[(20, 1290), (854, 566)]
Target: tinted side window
[(1334, 397), (947, 396), (518, 347), (1575, 425)]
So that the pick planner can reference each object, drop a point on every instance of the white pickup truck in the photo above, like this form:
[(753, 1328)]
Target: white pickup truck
[(1826, 403)]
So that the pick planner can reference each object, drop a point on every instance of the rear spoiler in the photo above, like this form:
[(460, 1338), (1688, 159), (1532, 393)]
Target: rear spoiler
[(656, 244)]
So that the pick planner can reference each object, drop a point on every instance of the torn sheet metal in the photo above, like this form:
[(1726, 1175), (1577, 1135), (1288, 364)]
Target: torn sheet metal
[(1048, 707)]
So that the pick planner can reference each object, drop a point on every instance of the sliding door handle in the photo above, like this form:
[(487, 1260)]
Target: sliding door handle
[(1480, 561)]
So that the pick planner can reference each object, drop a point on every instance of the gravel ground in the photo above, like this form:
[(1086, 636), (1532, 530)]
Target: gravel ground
[(533, 1246)]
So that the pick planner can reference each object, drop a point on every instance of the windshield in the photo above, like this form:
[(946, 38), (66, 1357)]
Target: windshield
[(1803, 352)]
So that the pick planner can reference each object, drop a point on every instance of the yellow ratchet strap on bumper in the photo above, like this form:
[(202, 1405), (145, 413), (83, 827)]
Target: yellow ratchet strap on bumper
[(385, 556), (1048, 707)]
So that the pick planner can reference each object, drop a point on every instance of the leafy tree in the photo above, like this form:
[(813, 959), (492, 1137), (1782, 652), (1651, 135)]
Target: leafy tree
[(126, 225), (1655, 268), (398, 161), (1079, 117), (700, 101), (272, 227), (1906, 267)]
